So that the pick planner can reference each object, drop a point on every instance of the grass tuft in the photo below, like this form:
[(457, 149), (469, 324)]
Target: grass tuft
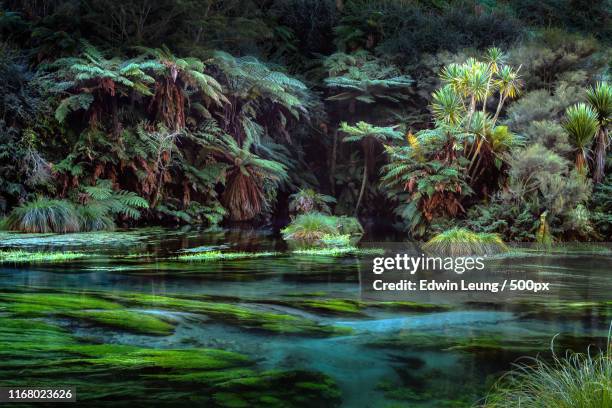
[(576, 380), (463, 242), (320, 230), (45, 215)]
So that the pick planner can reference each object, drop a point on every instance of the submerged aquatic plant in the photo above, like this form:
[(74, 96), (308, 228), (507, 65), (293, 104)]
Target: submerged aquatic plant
[(339, 251), (219, 256), (336, 241), (576, 380), (17, 239), (19, 256), (463, 242), (128, 320), (122, 373), (44, 215)]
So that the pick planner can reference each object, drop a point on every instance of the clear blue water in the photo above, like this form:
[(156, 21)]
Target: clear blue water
[(370, 369)]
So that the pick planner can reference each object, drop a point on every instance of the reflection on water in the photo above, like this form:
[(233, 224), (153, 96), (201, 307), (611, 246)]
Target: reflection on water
[(392, 356)]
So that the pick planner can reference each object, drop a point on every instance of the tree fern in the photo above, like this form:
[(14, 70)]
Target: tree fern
[(101, 202), (83, 82), (368, 135), (251, 181), (180, 77), (364, 78), (255, 91)]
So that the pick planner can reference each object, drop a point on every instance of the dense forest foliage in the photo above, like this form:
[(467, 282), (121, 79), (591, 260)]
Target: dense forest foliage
[(489, 115)]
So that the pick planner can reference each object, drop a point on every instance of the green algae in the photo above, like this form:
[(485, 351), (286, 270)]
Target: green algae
[(17, 256), (40, 353), (305, 294), (38, 304), (211, 256), (350, 307), (132, 321), (569, 310), (138, 256), (409, 306), (434, 394), (130, 357), (84, 308), (20, 335), (556, 309), (279, 389), (238, 315), (484, 344), (326, 306)]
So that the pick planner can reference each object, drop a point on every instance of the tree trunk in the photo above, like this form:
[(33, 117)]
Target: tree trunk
[(484, 103), (601, 145), (332, 170), (115, 114), (470, 113), (502, 99), (581, 164), (364, 181)]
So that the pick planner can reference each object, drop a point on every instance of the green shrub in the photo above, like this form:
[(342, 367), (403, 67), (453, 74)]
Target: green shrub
[(463, 242), (313, 229), (577, 380), (310, 228), (45, 215)]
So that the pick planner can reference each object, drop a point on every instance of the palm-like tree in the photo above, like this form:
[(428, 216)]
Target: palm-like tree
[(600, 99), (452, 74), (447, 106), (179, 78), (467, 84), (509, 85), (581, 125), (476, 76), (495, 58), (369, 136), (469, 80)]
